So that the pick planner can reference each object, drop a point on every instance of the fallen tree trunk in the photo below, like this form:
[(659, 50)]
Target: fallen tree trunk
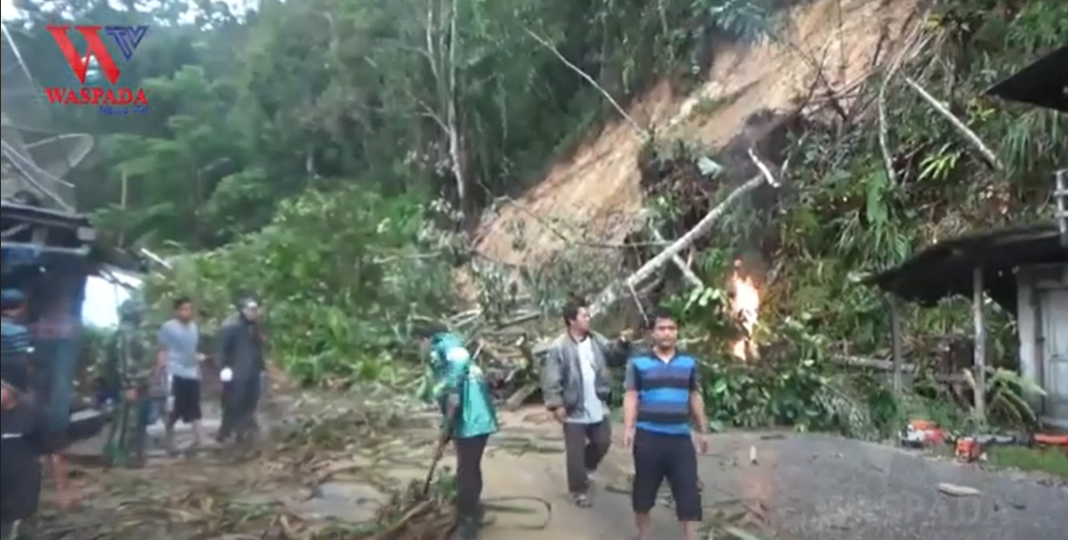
[(611, 294)]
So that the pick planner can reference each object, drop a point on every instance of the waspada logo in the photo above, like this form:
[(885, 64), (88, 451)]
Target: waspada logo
[(112, 98)]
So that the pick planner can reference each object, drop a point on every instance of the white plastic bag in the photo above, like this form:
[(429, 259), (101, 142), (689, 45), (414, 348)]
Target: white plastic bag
[(226, 375)]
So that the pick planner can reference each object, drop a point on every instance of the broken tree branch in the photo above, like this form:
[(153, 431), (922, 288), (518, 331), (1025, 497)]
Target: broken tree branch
[(763, 169), (884, 133), (957, 123), (683, 267), (609, 295), (638, 302), (619, 108), (884, 125)]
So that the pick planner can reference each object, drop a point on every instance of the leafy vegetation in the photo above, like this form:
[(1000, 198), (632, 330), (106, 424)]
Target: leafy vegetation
[(333, 156)]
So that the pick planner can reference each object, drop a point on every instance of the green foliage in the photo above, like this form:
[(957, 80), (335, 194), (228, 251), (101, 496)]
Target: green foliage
[(845, 216), (1006, 397), (1049, 461), (341, 275), (796, 387), (294, 148)]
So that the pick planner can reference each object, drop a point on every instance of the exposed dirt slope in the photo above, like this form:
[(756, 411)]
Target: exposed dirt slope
[(827, 44)]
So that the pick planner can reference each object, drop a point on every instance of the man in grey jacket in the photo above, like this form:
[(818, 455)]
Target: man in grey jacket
[(575, 385)]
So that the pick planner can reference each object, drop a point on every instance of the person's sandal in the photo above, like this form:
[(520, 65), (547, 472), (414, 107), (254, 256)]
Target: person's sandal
[(582, 500)]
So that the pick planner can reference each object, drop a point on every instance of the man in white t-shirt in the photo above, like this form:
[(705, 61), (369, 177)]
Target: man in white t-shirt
[(575, 386)]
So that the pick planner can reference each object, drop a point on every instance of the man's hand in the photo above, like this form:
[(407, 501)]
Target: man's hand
[(7, 398), (560, 415), (700, 443), (628, 438)]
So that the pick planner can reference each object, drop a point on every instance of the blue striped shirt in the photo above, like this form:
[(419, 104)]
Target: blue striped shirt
[(663, 391), (15, 345)]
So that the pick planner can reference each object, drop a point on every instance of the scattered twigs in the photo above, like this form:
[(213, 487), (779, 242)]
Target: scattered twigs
[(991, 158)]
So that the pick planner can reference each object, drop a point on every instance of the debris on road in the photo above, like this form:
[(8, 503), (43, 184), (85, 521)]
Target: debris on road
[(269, 493), (954, 490)]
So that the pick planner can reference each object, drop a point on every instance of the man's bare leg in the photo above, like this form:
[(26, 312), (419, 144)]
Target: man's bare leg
[(644, 522), (58, 467), (168, 429), (197, 427), (689, 530)]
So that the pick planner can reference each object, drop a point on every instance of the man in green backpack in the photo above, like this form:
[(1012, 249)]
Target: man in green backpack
[(469, 418)]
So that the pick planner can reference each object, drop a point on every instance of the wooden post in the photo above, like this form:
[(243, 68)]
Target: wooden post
[(896, 342), (980, 344)]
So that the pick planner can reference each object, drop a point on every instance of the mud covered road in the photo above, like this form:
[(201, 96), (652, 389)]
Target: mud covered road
[(803, 487)]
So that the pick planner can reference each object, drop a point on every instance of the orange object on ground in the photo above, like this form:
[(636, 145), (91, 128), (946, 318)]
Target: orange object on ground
[(1051, 440), (924, 433), (968, 449), (922, 425)]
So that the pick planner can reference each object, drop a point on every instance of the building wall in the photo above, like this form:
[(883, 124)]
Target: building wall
[(1043, 327)]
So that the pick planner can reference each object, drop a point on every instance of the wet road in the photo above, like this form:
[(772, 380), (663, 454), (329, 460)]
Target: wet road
[(817, 487)]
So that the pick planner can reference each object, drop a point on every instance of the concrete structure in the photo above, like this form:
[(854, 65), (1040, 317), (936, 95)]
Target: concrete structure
[(1042, 322), (1060, 193)]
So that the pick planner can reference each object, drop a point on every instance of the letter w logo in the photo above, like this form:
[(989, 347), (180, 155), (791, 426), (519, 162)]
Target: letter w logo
[(127, 38)]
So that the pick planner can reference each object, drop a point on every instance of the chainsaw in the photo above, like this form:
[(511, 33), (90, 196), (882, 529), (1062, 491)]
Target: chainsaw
[(971, 448)]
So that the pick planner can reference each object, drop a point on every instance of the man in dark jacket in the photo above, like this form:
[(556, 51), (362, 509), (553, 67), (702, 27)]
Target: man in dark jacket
[(575, 386), (20, 464), (20, 422), (241, 353)]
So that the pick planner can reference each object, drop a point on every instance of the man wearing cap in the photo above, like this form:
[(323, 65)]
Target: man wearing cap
[(469, 418), (129, 379), (241, 351), (14, 341)]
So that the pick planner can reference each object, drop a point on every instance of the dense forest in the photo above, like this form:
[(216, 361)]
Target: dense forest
[(334, 156)]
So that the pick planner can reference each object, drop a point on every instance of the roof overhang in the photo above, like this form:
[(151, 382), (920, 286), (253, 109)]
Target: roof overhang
[(1043, 83), (945, 269)]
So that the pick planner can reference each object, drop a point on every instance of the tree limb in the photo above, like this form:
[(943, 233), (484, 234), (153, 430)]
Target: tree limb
[(957, 123), (584, 75), (681, 264), (609, 295), (764, 170)]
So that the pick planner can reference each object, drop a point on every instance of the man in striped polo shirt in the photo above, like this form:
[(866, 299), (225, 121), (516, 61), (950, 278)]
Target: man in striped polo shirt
[(661, 404)]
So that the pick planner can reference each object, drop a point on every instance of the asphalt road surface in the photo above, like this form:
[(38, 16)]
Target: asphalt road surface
[(817, 487)]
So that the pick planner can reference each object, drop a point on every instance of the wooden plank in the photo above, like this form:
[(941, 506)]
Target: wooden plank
[(888, 366), (897, 343)]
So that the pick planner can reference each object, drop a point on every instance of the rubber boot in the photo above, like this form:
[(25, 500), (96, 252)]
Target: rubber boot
[(139, 448), (467, 527)]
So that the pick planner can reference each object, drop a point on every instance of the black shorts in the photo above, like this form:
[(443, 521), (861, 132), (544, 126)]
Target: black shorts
[(186, 394), (659, 456)]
